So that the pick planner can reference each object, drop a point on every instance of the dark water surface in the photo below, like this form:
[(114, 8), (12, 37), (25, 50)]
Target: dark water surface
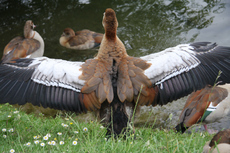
[(145, 26)]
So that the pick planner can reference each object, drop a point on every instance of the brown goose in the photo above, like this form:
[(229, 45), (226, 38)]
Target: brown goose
[(29, 46), (114, 82), (220, 143), (206, 105), (81, 40)]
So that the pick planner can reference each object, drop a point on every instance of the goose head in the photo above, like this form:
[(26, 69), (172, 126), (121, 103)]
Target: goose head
[(28, 29), (68, 32), (110, 23)]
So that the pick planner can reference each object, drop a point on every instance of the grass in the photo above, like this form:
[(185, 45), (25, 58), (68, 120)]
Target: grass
[(20, 131)]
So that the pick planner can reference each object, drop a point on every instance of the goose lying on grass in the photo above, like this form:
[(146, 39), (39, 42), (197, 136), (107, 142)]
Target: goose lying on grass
[(206, 105), (220, 143), (114, 82)]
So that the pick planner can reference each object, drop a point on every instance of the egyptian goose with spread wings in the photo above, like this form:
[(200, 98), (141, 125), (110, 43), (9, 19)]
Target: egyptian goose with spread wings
[(114, 82), (206, 105), (81, 40), (29, 46)]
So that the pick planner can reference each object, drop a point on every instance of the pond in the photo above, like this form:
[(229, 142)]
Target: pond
[(145, 26)]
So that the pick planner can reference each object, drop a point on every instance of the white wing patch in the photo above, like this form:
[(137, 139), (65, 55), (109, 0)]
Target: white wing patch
[(211, 107), (54, 72), (170, 62)]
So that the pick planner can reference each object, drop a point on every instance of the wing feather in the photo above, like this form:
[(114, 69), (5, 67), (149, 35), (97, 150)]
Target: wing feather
[(43, 81), (179, 70)]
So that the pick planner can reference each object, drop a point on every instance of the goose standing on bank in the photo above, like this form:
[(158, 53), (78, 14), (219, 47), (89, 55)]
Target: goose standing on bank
[(29, 46), (114, 82), (206, 106), (81, 40)]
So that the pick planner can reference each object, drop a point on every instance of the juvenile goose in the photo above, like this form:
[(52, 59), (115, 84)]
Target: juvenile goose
[(206, 105), (220, 143), (114, 82), (29, 46), (81, 40)]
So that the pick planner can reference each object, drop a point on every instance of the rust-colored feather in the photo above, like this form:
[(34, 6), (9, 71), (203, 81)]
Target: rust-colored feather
[(19, 48), (132, 81), (90, 101), (99, 79)]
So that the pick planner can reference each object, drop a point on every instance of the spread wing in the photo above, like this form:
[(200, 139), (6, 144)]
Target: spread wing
[(42, 81), (80, 86), (180, 70)]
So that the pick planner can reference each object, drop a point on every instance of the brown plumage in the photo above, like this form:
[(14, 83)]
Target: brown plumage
[(31, 45), (219, 143), (196, 107), (81, 40), (112, 57), (99, 73)]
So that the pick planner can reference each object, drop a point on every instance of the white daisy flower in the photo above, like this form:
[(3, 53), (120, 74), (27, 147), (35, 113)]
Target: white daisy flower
[(66, 125), (11, 130), (53, 143), (59, 133), (61, 142), (49, 143), (76, 132), (4, 136), (35, 137), (12, 150), (48, 135), (45, 138), (9, 116), (102, 127), (15, 112), (42, 144), (4, 130), (66, 119), (36, 141), (74, 142), (85, 129), (28, 144), (62, 124)]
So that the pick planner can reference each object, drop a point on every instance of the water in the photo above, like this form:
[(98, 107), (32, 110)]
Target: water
[(145, 26)]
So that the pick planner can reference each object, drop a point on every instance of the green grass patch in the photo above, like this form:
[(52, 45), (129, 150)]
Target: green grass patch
[(27, 133)]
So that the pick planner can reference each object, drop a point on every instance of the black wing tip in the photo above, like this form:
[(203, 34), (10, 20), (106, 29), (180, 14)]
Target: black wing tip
[(203, 46), (204, 43)]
